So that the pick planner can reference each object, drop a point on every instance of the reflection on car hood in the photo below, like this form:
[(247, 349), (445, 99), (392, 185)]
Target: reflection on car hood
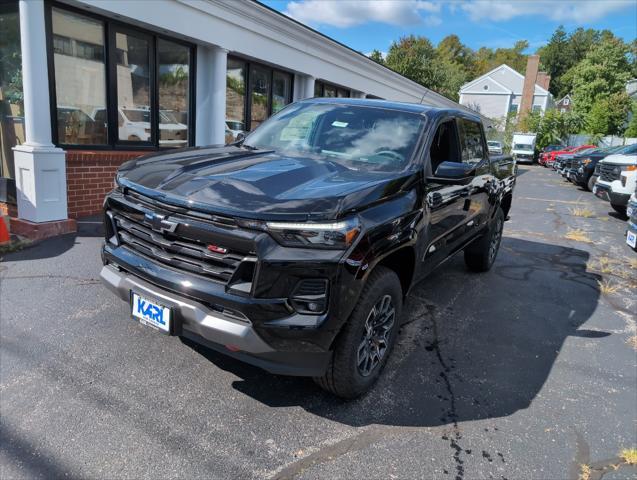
[(258, 184)]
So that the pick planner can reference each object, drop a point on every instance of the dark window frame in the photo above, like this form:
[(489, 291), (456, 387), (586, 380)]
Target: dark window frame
[(110, 65), (247, 102)]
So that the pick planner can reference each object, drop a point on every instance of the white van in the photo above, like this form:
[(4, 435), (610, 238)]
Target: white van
[(523, 147)]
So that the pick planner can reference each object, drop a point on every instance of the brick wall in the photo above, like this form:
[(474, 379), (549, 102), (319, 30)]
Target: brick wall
[(90, 176)]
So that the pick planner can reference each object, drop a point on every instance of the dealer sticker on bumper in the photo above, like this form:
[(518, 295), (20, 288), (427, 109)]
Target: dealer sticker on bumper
[(150, 313), (631, 239)]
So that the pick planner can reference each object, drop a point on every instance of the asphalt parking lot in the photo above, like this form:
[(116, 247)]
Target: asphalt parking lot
[(527, 371)]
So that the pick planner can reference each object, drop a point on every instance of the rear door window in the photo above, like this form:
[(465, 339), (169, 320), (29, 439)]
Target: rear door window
[(471, 143)]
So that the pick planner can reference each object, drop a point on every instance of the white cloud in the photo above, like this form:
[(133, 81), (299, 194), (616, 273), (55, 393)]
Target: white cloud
[(568, 11), (348, 13)]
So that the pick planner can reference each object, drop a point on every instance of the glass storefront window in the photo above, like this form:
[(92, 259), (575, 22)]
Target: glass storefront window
[(235, 99), (11, 106), (322, 89), (80, 78), (174, 81), (148, 99), (260, 93), (133, 88), (329, 91), (281, 90)]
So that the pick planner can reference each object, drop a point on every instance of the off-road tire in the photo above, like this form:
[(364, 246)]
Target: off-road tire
[(480, 255), (591, 183), (343, 377)]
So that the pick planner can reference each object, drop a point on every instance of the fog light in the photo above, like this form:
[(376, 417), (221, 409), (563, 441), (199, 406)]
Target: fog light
[(310, 296)]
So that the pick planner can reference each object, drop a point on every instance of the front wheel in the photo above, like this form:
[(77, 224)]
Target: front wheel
[(363, 346), (481, 254), (591, 183)]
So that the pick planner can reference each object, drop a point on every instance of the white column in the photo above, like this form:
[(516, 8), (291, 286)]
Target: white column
[(40, 167), (212, 63), (299, 88), (308, 86), (203, 97), (218, 94)]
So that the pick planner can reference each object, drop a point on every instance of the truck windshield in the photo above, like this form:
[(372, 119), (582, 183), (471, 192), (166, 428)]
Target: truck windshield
[(522, 146), (357, 137)]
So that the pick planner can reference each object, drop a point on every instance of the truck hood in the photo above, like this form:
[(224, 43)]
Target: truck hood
[(621, 159), (258, 184)]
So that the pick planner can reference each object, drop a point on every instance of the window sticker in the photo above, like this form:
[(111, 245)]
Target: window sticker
[(336, 123)]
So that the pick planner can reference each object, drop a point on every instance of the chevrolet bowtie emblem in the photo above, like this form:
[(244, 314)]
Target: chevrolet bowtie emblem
[(160, 223)]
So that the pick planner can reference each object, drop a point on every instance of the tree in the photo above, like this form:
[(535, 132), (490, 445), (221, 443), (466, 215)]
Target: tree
[(414, 58), (603, 72), (377, 56), (486, 59), (552, 128), (417, 59), (554, 57), (631, 130), (608, 115), (453, 50)]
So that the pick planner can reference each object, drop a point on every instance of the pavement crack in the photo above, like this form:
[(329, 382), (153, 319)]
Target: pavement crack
[(452, 414)]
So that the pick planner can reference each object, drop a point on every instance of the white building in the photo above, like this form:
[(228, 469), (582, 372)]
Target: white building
[(107, 80), (500, 91)]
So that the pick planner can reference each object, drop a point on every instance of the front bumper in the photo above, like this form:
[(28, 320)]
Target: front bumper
[(603, 191), (223, 329)]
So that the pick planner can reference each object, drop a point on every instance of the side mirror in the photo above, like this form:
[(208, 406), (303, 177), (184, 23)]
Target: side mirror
[(453, 173), (240, 137)]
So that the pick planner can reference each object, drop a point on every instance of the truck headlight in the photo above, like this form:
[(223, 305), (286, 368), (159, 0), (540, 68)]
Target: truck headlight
[(332, 235)]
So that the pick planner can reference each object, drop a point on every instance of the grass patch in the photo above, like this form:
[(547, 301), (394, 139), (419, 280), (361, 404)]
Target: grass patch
[(581, 212), (606, 264), (629, 456), (633, 263), (632, 341), (584, 472), (607, 287), (578, 236)]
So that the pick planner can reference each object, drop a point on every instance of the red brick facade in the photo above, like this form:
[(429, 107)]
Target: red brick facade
[(90, 176)]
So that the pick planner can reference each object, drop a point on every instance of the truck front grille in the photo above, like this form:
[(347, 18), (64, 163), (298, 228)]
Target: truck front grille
[(136, 230), (609, 172)]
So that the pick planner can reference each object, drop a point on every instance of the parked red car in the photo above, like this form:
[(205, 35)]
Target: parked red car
[(551, 156), (546, 150)]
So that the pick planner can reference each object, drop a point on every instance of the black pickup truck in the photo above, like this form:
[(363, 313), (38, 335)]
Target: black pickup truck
[(294, 249)]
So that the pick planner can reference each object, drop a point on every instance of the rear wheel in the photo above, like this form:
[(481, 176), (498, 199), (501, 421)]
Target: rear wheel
[(481, 254), (591, 183), (363, 347)]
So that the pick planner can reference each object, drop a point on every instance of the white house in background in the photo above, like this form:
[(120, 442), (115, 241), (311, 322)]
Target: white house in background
[(498, 92)]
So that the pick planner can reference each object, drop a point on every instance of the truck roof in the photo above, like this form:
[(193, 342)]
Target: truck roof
[(402, 106)]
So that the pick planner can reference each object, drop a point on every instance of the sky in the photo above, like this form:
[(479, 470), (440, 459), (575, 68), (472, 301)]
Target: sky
[(365, 25)]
